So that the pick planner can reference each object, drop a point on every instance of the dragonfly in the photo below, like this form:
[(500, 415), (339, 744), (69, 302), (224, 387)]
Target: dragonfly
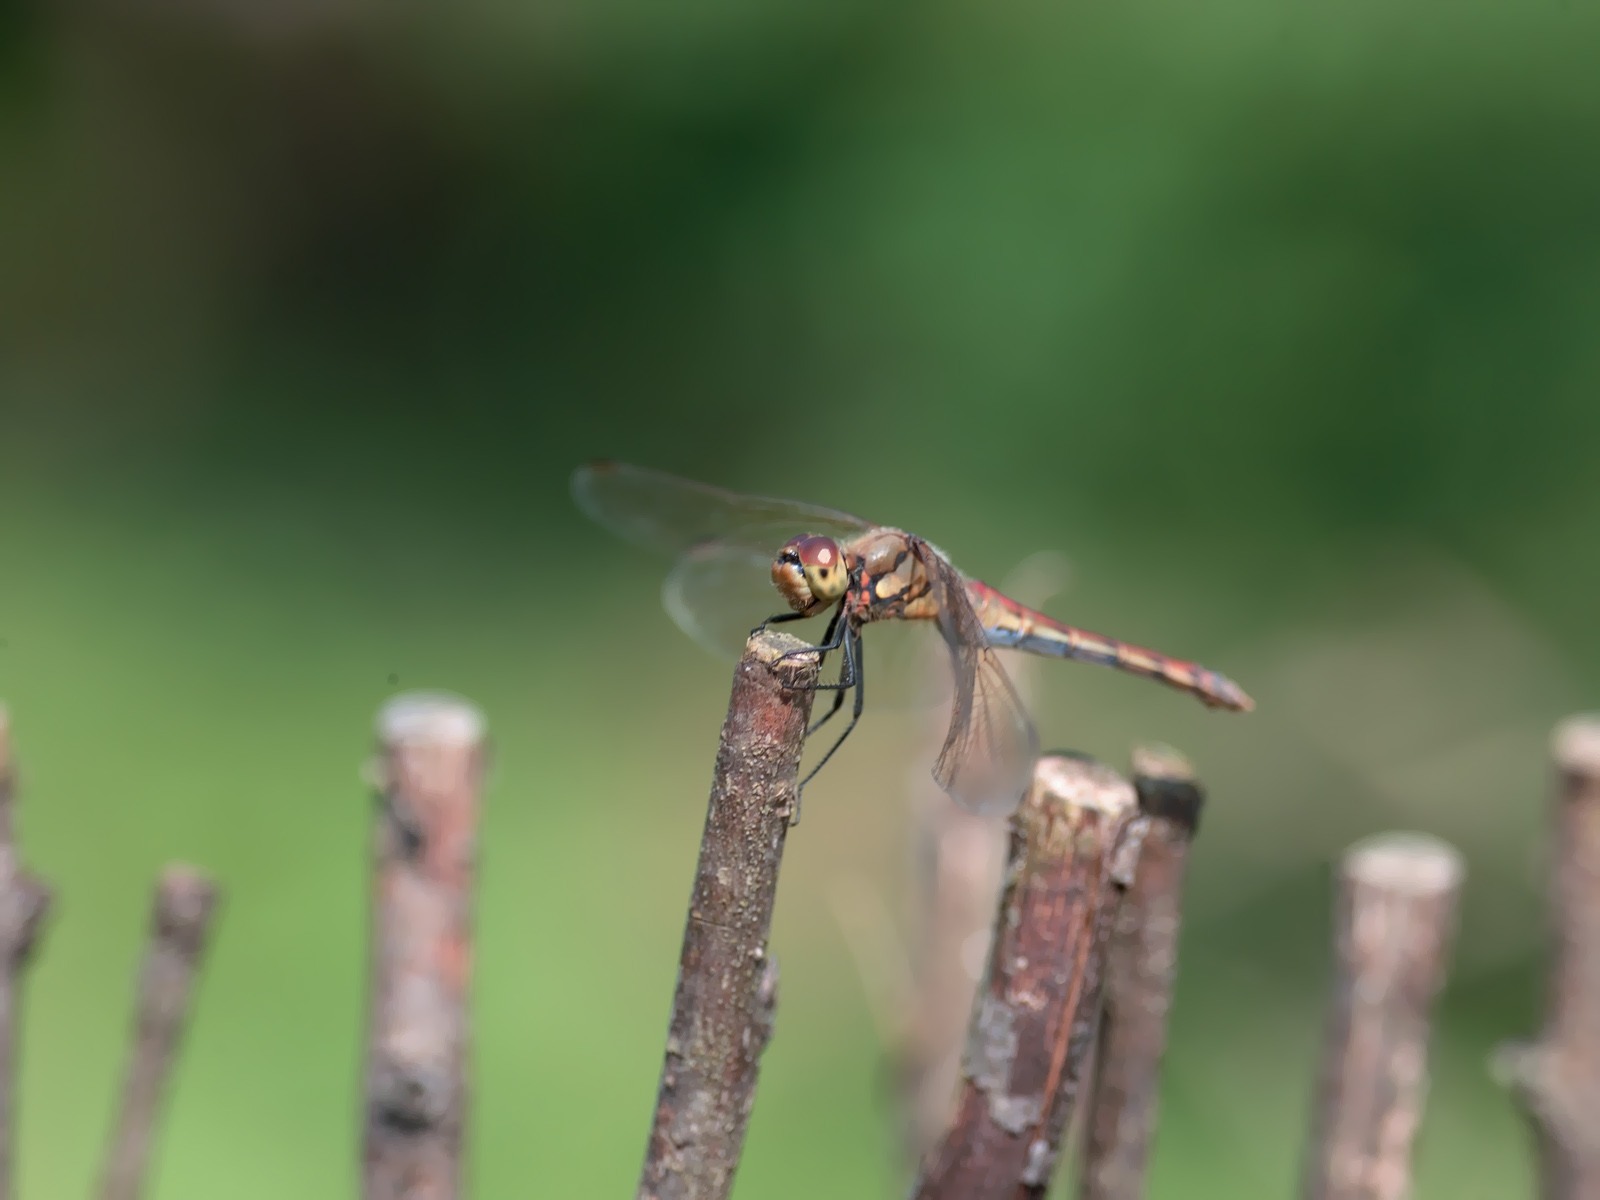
[(820, 560)]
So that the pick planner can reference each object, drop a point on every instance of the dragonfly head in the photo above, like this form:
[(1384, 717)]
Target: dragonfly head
[(810, 572)]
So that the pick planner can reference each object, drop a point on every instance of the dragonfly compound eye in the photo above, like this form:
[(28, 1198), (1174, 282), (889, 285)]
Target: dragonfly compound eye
[(810, 572), (823, 566)]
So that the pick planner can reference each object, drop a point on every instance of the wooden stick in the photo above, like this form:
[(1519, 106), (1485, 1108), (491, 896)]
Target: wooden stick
[(429, 774), (1074, 847), (11, 955), (1140, 968), (36, 898), (24, 905), (185, 902), (1557, 1079), (1394, 923), (727, 993)]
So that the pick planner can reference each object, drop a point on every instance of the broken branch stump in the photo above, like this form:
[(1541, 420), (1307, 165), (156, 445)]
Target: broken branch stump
[(1394, 922), (1074, 846), (722, 1012), (180, 918), (1557, 1080), (1140, 969), (429, 774), (24, 905)]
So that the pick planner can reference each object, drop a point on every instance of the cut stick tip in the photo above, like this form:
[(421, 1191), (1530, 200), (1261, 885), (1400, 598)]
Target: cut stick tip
[(185, 896), (1155, 760), (1078, 781), (430, 719), (1167, 785), (182, 879), (1576, 744), (769, 645), (1414, 863)]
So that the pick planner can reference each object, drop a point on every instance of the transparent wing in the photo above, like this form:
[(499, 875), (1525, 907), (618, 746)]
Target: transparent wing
[(669, 515), (717, 592), (988, 753), (906, 668)]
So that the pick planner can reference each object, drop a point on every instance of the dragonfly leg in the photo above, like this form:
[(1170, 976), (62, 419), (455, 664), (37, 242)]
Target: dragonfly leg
[(847, 680), (852, 657), (847, 672), (778, 620), (833, 639), (833, 711)]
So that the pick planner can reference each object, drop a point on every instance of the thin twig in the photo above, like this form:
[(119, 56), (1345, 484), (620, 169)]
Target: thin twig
[(429, 774), (24, 905), (185, 901), (1140, 969), (723, 1011), (1074, 847), (1394, 924), (1557, 1079)]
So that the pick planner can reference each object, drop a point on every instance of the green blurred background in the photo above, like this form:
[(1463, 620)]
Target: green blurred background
[(1277, 319)]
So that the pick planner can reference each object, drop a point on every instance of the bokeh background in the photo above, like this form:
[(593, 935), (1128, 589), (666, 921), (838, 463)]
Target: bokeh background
[(1278, 320)]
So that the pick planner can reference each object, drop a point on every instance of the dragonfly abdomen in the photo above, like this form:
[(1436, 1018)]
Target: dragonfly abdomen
[(1009, 624)]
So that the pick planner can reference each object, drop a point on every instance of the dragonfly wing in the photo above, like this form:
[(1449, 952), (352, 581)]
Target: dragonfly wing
[(989, 751), (669, 515), (906, 668)]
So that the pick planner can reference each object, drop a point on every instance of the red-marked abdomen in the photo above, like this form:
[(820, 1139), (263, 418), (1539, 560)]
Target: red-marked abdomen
[(1015, 625)]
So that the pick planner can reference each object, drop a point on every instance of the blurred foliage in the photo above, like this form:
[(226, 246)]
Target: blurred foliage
[(1277, 319)]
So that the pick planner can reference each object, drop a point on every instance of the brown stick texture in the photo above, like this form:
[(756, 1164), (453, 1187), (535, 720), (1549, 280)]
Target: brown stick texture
[(1557, 1079), (1394, 923), (185, 901), (722, 1012), (1074, 847), (24, 905), (429, 776), (1140, 969)]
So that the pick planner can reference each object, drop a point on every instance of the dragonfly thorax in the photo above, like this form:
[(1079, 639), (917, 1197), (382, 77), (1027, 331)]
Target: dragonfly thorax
[(810, 573)]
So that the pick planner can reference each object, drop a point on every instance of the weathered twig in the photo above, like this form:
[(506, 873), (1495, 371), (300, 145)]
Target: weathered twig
[(1074, 846), (185, 901), (429, 773), (727, 989), (24, 904), (36, 898), (1394, 924), (1558, 1078), (1140, 968)]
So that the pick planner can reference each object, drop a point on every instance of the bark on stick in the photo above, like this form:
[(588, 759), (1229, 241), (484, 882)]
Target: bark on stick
[(1074, 847), (1558, 1078), (24, 904), (727, 991), (429, 774), (1394, 922), (185, 902), (1140, 968)]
